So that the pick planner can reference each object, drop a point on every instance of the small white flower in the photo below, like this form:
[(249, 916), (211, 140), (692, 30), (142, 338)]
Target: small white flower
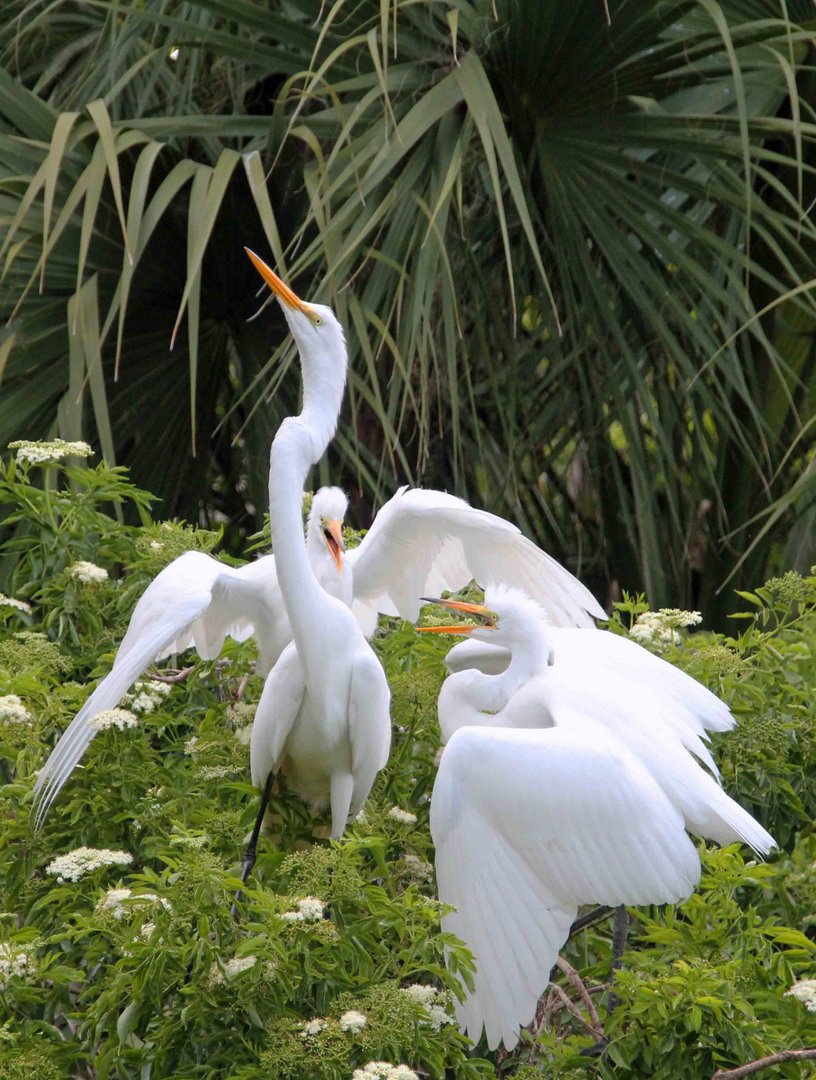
[(244, 734), (437, 1016), (217, 772), (48, 451), (12, 711), (384, 1070), (421, 994), (353, 1021), (87, 572), (309, 909), (147, 696), (191, 746), (146, 929), (420, 870), (113, 718), (310, 1028), (156, 545), (221, 972), (73, 865), (404, 816), (112, 903), (661, 627), (805, 991), (19, 605), (15, 962)]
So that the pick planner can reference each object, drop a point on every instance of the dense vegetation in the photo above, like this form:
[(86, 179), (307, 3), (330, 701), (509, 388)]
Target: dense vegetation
[(561, 237), (122, 961)]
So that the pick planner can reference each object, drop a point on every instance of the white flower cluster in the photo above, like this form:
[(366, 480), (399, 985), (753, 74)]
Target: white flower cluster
[(384, 1070), (156, 545), (15, 962), (191, 746), (147, 696), (12, 710), (309, 909), (20, 605), (404, 816), (81, 861), (310, 1028), (87, 572), (217, 772), (418, 869), (353, 1021), (804, 991), (112, 903), (244, 734), (50, 451), (429, 998), (220, 973), (113, 718), (661, 627)]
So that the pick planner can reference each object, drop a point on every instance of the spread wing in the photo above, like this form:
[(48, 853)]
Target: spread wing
[(195, 599), (423, 542), (528, 825)]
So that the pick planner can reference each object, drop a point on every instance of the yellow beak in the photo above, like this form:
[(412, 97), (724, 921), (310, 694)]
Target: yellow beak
[(334, 542), (283, 292), (454, 605)]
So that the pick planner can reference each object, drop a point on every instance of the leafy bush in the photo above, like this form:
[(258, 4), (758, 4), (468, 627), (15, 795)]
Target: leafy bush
[(123, 961)]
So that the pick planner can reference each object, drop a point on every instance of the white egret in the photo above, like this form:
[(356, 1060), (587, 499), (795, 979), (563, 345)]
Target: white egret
[(323, 718), (569, 778), (197, 601)]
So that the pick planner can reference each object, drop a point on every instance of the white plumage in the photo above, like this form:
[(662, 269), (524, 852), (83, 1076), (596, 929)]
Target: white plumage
[(571, 777)]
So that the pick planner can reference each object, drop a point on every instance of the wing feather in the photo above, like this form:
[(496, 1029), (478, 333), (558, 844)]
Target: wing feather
[(171, 612), (528, 825), (423, 541)]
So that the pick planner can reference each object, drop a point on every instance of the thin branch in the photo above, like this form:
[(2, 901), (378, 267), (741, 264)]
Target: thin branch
[(171, 675), (578, 984), (594, 1029), (765, 1063)]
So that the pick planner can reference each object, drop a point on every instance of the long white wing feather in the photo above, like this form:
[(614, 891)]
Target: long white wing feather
[(530, 824), (426, 541), (193, 600), (369, 725)]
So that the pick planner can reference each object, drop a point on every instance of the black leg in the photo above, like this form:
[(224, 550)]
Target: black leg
[(620, 932), (252, 847), (597, 915)]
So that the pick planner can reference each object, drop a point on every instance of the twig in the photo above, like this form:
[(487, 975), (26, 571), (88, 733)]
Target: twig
[(765, 1063), (578, 984), (172, 675), (594, 1029)]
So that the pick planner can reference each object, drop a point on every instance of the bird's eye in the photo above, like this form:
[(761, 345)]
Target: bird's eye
[(317, 321)]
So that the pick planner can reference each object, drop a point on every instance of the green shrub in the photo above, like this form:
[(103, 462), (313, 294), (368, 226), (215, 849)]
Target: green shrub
[(136, 968)]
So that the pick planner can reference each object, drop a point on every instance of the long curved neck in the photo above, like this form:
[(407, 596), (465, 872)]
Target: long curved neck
[(529, 656), (300, 443)]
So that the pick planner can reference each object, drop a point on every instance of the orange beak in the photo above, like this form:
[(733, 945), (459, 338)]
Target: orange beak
[(478, 610), (283, 292), (334, 542)]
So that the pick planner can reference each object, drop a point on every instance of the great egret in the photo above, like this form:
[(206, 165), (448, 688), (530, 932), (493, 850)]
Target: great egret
[(569, 778), (323, 718), (197, 600)]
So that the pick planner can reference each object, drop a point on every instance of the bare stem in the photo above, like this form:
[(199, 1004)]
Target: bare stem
[(765, 1063)]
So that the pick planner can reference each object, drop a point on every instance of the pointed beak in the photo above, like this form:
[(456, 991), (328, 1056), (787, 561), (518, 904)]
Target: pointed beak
[(477, 611), (283, 292), (334, 542)]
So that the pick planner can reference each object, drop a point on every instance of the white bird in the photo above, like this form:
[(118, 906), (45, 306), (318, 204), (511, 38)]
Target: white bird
[(323, 718), (197, 601), (569, 778)]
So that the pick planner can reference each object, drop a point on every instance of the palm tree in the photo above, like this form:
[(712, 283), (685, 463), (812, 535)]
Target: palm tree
[(561, 242)]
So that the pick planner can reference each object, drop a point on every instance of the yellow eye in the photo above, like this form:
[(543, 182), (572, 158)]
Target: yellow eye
[(316, 320)]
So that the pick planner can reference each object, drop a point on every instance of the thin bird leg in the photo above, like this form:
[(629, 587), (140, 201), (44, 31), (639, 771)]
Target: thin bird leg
[(597, 914), (620, 932), (252, 847)]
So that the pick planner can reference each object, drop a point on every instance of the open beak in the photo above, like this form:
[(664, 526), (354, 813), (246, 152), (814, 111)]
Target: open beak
[(334, 542), (283, 292), (476, 611)]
